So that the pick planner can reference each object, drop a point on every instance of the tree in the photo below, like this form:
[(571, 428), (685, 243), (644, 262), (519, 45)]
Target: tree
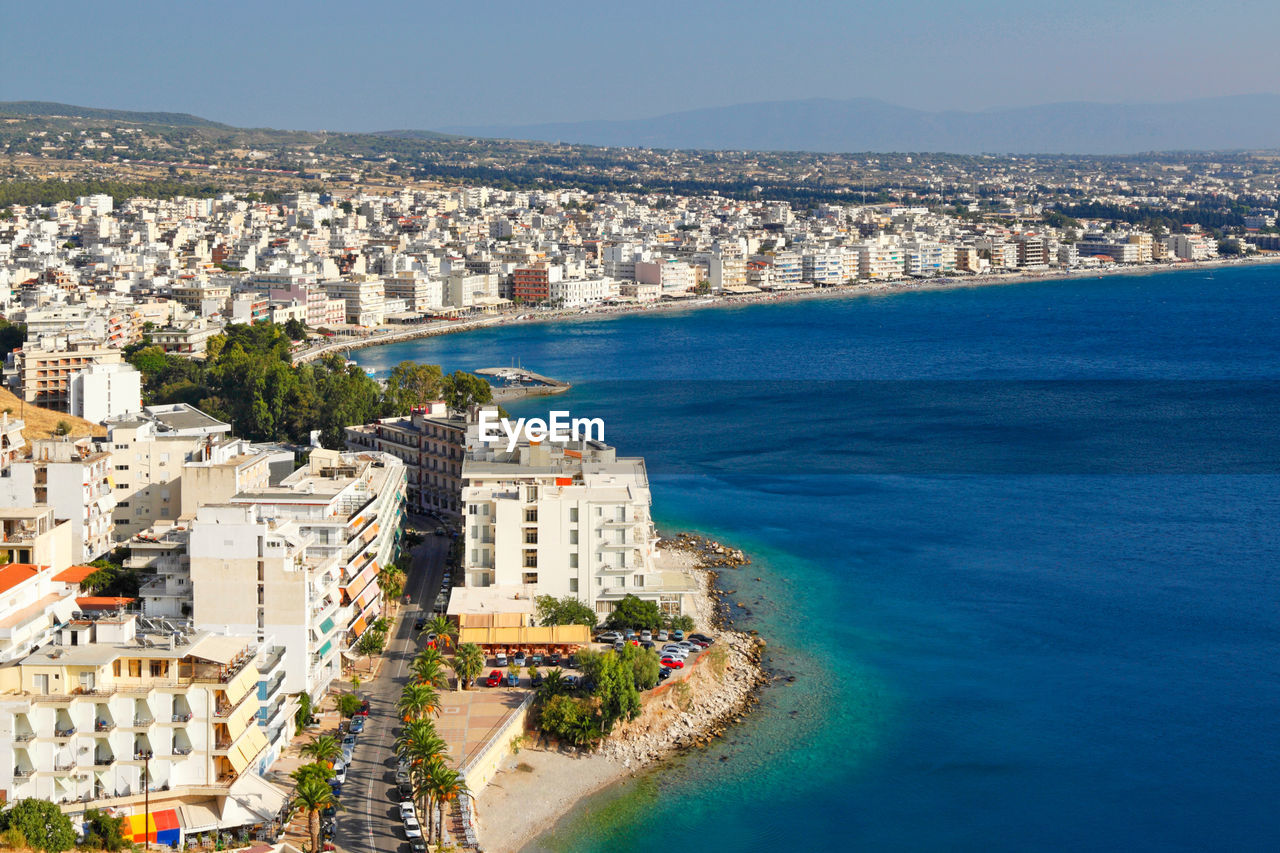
[(314, 796), (411, 384), (613, 685), (417, 701), (553, 684), (462, 390), (303, 714), (295, 329), (563, 611), (105, 831), (444, 784), (41, 823), (569, 719), (349, 704), (12, 336), (371, 643), (150, 361), (467, 663), (428, 668), (444, 630), (315, 770), (644, 665), (324, 748), (636, 613), (681, 622), (391, 581)]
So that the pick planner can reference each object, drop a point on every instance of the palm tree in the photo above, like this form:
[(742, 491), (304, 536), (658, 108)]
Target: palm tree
[(314, 796), (467, 663), (445, 784), (552, 684), (427, 669), (391, 581), (315, 770), (444, 630), (324, 748), (417, 701), (419, 742)]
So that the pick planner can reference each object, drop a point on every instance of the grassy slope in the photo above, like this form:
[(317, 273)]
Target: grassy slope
[(40, 423)]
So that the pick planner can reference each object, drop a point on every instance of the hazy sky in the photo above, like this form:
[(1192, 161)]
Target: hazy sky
[(387, 64)]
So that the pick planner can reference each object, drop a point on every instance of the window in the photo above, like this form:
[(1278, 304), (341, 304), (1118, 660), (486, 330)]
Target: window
[(473, 510), (529, 577), (531, 516), (530, 558), (531, 536), (573, 584), (573, 514), (573, 562), (573, 537), (637, 580)]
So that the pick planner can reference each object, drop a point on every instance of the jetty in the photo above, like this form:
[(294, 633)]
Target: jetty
[(513, 383)]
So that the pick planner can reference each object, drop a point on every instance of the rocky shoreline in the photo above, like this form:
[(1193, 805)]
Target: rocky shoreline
[(720, 689)]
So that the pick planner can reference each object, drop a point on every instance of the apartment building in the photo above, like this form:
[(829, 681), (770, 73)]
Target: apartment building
[(579, 292), (149, 452), (307, 551), (824, 267), (879, 260), (12, 442), (40, 372), (72, 477), (32, 535), (531, 285), (726, 271), (1192, 247), (671, 275), (363, 296), (189, 339), (37, 598), (103, 391), (927, 258), (562, 520), (419, 293), (117, 704), (202, 298), (1033, 250), (431, 441)]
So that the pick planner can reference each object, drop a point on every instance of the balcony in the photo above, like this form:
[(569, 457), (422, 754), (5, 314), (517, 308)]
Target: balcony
[(103, 760), (104, 726), (181, 718), (142, 722), (23, 772), (23, 737), (64, 734)]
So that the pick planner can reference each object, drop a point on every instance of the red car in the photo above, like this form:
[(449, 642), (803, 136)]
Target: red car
[(673, 663), (494, 679)]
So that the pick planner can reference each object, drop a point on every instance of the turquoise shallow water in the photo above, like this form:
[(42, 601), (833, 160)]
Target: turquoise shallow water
[(1052, 644)]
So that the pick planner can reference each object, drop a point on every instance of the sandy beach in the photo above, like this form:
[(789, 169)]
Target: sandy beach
[(538, 785)]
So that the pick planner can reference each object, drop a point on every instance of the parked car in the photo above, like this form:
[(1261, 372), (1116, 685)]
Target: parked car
[(677, 635), (553, 659), (620, 645), (407, 810), (675, 651), (662, 636), (647, 644), (500, 659), (405, 789), (664, 673), (411, 828), (673, 663), (571, 662), (536, 679), (702, 638), (513, 679), (416, 845), (609, 637), (336, 787), (572, 682), (340, 774), (535, 660), (518, 660), (357, 724), (364, 707), (628, 633), (494, 679), (348, 740), (439, 531), (688, 646)]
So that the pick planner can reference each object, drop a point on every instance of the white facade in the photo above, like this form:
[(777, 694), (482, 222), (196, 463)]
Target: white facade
[(103, 391)]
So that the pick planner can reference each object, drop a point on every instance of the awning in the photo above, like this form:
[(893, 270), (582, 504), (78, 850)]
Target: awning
[(326, 626), (244, 681), (199, 817), (218, 649), (359, 627), (324, 650), (242, 718), (161, 827), (556, 635), (257, 796)]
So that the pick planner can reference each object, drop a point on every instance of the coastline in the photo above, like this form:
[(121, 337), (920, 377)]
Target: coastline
[(541, 783), (840, 291)]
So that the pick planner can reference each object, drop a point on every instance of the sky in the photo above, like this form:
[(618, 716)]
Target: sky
[(388, 64)]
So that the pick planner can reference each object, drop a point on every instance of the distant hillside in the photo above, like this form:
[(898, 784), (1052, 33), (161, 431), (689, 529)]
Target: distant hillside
[(45, 108), (863, 124)]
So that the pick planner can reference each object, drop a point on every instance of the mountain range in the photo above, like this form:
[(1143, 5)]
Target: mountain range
[(1231, 123)]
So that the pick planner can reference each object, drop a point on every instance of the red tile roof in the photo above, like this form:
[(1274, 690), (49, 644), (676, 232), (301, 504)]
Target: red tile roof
[(102, 602), (15, 573), (74, 574)]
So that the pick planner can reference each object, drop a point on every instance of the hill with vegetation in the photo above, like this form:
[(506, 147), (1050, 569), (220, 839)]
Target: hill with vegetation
[(53, 110)]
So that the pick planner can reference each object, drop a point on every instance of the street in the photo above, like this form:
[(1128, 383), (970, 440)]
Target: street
[(369, 821)]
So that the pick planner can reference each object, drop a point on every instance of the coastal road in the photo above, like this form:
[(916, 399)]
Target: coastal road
[(370, 819)]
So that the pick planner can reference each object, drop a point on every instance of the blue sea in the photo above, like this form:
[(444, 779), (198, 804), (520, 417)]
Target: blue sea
[(1016, 554)]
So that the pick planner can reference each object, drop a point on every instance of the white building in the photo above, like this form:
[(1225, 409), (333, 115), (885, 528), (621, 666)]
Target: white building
[(72, 477), (579, 292), (103, 391)]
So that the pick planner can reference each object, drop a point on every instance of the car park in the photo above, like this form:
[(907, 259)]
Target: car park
[(494, 679), (673, 663)]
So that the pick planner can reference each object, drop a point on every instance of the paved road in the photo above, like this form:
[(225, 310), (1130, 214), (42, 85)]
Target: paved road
[(370, 819)]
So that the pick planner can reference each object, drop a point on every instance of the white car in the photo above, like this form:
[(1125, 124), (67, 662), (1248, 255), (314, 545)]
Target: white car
[(407, 811), (675, 651), (411, 828), (340, 774)]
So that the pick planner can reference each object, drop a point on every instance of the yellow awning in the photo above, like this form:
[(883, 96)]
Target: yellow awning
[(243, 717), (245, 680), (557, 635)]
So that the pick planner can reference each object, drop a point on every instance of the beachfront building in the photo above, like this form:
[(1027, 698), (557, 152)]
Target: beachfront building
[(363, 296), (72, 477), (115, 704), (299, 560), (1192, 247), (560, 520), (580, 292), (430, 442)]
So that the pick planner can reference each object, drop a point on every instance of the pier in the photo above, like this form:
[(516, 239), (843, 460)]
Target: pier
[(513, 383)]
